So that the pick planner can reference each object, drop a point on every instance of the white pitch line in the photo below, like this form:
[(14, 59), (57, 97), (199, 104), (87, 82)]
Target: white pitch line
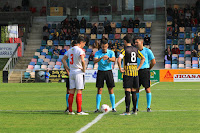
[(101, 115)]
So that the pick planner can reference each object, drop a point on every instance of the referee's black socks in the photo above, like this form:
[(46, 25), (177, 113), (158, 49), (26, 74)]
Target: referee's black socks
[(134, 99), (127, 100)]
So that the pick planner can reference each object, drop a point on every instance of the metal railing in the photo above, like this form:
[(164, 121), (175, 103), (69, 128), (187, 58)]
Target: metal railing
[(11, 62)]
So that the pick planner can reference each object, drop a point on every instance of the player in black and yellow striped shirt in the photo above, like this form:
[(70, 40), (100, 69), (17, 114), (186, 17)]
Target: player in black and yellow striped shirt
[(130, 79)]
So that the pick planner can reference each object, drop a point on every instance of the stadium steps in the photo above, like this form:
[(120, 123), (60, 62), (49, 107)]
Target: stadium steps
[(33, 43), (158, 42)]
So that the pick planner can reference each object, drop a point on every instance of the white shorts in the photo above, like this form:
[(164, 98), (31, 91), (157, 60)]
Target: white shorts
[(77, 81)]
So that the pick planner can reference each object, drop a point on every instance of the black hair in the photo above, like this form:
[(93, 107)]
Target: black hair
[(128, 39), (139, 37), (104, 41), (80, 39), (74, 42)]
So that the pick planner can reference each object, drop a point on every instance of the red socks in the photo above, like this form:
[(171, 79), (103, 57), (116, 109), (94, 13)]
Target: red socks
[(70, 101), (79, 102)]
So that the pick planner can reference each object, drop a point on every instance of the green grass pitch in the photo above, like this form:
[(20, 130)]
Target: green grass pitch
[(39, 107)]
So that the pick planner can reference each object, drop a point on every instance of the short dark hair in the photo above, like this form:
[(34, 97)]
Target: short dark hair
[(104, 41), (128, 39), (80, 39), (139, 37), (74, 42)]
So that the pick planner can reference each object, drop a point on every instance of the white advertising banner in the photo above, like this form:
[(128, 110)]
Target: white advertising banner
[(7, 49), (186, 77), (91, 75), (13, 31)]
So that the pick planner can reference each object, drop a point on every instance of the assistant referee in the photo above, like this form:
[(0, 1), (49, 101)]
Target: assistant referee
[(144, 72), (104, 57)]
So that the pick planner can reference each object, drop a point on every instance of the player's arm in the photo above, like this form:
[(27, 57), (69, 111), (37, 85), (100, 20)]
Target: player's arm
[(65, 57), (152, 58), (112, 57), (120, 64), (83, 62), (140, 55), (96, 60)]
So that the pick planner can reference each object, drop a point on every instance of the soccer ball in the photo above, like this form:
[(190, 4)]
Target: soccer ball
[(105, 108)]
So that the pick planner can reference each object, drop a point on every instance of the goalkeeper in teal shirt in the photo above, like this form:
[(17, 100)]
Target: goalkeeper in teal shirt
[(144, 72)]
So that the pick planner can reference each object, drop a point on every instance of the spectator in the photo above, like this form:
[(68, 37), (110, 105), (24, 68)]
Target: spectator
[(74, 34), (182, 24), (108, 29), (6, 7), (195, 42), (194, 53), (175, 33), (130, 23), (106, 22), (194, 21), (136, 22), (83, 23), (65, 22), (55, 35), (46, 27), (175, 50), (117, 44), (62, 35), (110, 44), (100, 28), (124, 23), (188, 14), (46, 35), (47, 74), (168, 57), (71, 21), (86, 40), (187, 22), (198, 6), (96, 44), (181, 12), (68, 35), (167, 50), (94, 29), (187, 8), (176, 14), (56, 51), (91, 57), (76, 23), (62, 51), (169, 11), (169, 35), (147, 40), (193, 14), (25, 5)]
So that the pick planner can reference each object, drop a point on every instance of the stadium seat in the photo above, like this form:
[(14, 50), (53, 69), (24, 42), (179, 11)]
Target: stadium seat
[(187, 48), (59, 60), (167, 62), (141, 35), (38, 50), (105, 35), (45, 63), (181, 29), (61, 56), (118, 30), (44, 43), (34, 60), (37, 53), (124, 30), (68, 42), (188, 58), (45, 50), (42, 57), (188, 62), (35, 57), (99, 36), (174, 61), (142, 30), (42, 47), (62, 42), (181, 41), (58, 63), (26, 75), (194, 62), (175, 41), (181, 66), (174, 66), (194, 58), (188, 41), (195, 66), (37, 67), (40, 60), (32, 63), (111, 36), (148, 30), (188, 29), (188, 66), (43, 53), (32, 74), (117, 36), (55, 42), (118, 25), (123, 35), (39, 63), (57, 66), (181, 35), (188, 52), (113, 24), (130, 30), (167, 66), (50, 67), (136, 30), (82, 31), (48, 56), (55, 57), (187, 35), (53, 26), (148, 24), (194, 29), (53, 60)]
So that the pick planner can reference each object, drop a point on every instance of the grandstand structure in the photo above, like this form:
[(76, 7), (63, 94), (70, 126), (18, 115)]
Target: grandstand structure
[(155, 21)]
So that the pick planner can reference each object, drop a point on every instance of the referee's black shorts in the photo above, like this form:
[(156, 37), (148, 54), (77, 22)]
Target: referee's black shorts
[(67, 82), (144, 77), (130, 82), (107, 76)]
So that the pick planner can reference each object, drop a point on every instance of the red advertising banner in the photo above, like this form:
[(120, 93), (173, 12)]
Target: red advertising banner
[(17, 40)]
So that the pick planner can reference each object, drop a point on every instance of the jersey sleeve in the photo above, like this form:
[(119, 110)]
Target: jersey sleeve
[(96, 55), (112, 54), (140, 55), (81, 52), (150, 55), (122, 53)]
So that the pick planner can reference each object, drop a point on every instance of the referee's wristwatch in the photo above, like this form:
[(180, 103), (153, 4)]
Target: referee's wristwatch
[(108, 58)]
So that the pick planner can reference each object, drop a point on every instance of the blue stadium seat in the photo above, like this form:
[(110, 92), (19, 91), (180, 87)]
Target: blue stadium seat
[(169, 18), (174, 62), (43, 53), (57, 66), (169, 41), (89, 50), (92, 42), (59, 60), (195, 58), (42, 47), (68, 42), (148, 30), (32, 63), (48, 56), (51, 50), (181, 47), (50, 37), (192, 35), (82, 31), (55, 42), (118, 25), (45, 63), (124, 30), (26, 75), (167, 62), (181, 35), (40, 60), (174, 66), (43, 43), (87, 56), (175, 41), (60, 57), (111, 36), (91, 62), (136, 30), (194, 65), (37, 67), (194, 29), (181, 55), (181, 41), (99, 36), (52, 31), (49, 26), (141, 35)]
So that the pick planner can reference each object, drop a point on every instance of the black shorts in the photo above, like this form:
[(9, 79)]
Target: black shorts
[(105, 75), (67, 82), (144, 77), (130, 82)]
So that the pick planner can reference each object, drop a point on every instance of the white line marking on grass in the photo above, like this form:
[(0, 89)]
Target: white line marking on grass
[(101, 115), (177, 89)]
